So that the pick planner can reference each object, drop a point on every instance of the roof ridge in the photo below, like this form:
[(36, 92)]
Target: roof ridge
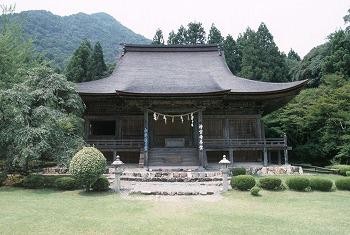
[(170, 48)]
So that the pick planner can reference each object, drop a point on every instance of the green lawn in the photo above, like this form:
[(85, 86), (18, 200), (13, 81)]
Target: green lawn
[(53, 212)]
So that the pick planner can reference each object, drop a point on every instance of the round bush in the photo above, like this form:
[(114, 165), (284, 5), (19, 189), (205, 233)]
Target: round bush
[(101, 185), (343, 184), (348, 173), (87, 166), (321, 184), (342, 169), (66, 183), (33, 182), (255, 191), (298, 183), (270, 183), (238, 171), (243, 182)]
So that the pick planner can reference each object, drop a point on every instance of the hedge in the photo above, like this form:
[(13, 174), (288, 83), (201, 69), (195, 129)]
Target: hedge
[(255, 191), (343, 184), (66, 183), (238, 171), (270, 183), (34, 182), (101, 185), (321, 184), (298, 183), (243, 182), (342, 169)]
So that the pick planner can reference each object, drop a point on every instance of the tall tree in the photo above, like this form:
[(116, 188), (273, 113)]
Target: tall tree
[(195, 33), (293, 55), (215, 36), (158, 38), (232, 56), (98, 65), (261, 59), (78, 68), (172, 38)]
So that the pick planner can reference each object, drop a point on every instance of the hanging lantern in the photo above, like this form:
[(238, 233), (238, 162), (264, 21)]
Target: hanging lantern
[(164, 117), (155, 116), (182, 119)]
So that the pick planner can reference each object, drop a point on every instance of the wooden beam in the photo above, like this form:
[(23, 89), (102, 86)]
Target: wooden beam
[(145, 136)]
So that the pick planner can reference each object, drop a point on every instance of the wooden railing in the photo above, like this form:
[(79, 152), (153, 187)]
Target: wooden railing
[(244, 143), (116, 144)]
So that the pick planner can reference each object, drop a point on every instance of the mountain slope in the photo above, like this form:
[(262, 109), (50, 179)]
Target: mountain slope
[(57, 37)]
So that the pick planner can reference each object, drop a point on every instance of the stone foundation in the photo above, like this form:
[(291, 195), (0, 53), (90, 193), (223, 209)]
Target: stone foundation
[(275, 170)]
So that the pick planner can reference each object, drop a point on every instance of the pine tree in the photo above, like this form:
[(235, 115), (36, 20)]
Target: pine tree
[(232, 56), (172, 38), (98, 66), (215, 36), (78, 69), (195, 33), (158, 38), (292, 55)]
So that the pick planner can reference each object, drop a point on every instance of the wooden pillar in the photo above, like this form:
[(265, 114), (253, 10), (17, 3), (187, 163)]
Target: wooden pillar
[(114, 155), (265, 156), (145, 138), (87, 131), (269, 157), (200, 139), (231, 155), (285, 149), (279, 157)]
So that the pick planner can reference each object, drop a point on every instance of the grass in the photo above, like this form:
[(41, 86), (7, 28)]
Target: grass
[(75, 212)]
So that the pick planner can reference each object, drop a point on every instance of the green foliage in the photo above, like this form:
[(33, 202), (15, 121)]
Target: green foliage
[(317, 123), (347, 173), (270, 183), (214, 36), (243, 182), (57, 37), (101, 185), (343, 184), (255, 191), (87, 166), (33, 182), (260, 57), (40, 119), (321, 184), (238, 171), (66, 183), (158, 38), (193, 34), (298, 183), (342, 169), (3, 177), (14, 180), (232, 56)]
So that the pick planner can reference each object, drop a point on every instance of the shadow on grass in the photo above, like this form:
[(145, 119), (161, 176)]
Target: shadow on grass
[(96, 194)]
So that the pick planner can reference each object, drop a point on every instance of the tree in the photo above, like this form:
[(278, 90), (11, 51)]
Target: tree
[(98, 65), (232, 56), (172, 38), (346, 19), (40, 119), (179, 38), (195, 33), (292, 55), (215, 36), (78, 68), (158, 38), (260, 57)]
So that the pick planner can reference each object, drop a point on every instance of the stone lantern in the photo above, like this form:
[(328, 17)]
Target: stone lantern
[(119, 168), (224, 169)]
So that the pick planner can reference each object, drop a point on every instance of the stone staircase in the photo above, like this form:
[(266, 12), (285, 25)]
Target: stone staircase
[(173, 157)]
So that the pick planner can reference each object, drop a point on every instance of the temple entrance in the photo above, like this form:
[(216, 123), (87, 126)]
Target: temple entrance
[(173, 134)]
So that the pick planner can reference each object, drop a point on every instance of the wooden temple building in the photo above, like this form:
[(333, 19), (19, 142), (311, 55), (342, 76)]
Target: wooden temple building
[(181, 106)]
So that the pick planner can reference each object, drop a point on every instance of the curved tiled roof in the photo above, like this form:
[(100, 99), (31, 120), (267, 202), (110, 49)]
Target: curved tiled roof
[(167, 70)]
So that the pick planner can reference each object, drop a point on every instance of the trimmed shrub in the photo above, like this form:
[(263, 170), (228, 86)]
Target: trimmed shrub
[(101, 185), (66, 183), (321, 184), (348, 173), (238, 171), (255, 191), (243, 182), (14, 180), (270, 183), (298, 183), (87, 166), (33, 182), (342, 169), (343, 184), (3, 177)]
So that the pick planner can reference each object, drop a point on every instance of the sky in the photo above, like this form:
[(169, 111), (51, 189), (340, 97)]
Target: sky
[(297, 24)]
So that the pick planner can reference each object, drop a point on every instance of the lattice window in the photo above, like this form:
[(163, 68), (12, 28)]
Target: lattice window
[(243, 128), (132, 128), (213, 128)]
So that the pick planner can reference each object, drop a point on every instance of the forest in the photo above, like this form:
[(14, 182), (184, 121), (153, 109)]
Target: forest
[(41, 114)]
